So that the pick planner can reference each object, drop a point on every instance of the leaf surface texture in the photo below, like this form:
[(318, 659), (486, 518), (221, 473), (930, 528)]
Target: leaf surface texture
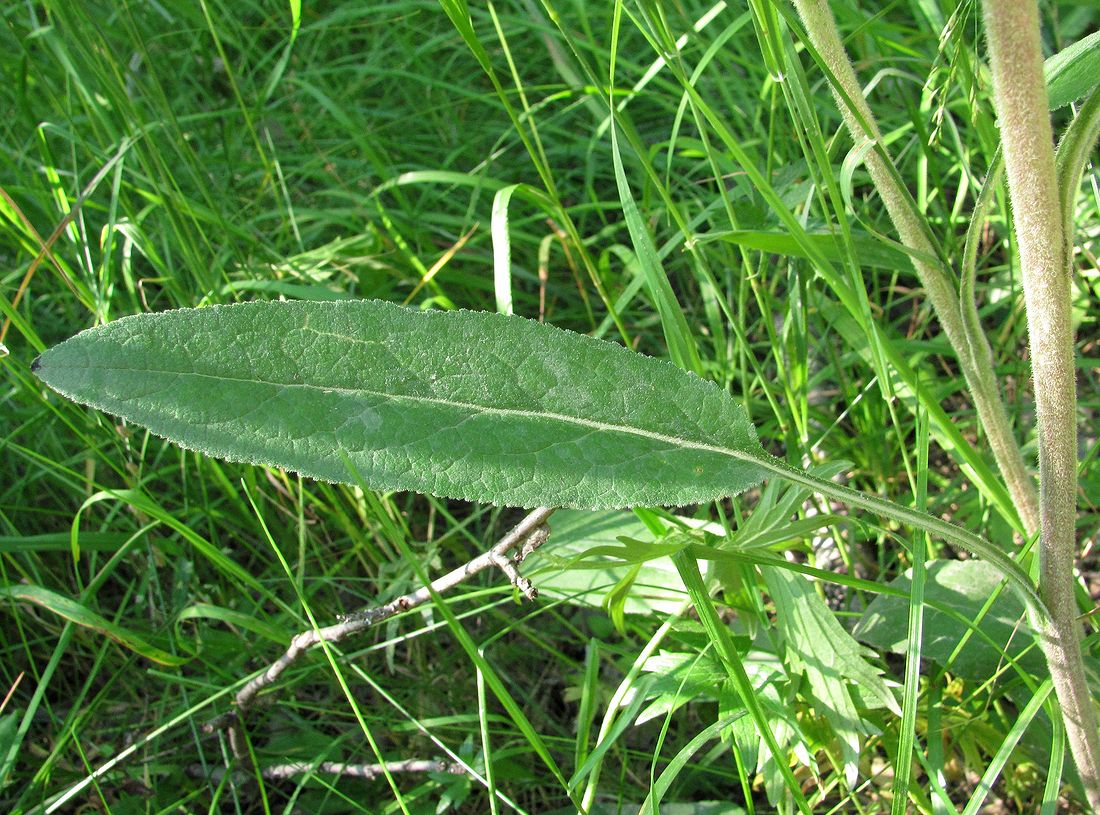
[(469, 405)]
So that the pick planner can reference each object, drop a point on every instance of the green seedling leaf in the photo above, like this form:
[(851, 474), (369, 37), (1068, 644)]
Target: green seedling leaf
[(465, 405)]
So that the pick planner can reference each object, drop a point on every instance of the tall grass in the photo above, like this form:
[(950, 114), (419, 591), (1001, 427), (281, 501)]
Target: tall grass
[(701, 203)]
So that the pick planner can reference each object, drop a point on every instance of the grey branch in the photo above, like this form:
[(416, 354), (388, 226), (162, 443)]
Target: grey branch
[(528, 534), (368, 771)]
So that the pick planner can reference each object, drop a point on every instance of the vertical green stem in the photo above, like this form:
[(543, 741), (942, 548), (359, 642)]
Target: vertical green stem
[(971, 349), (1015, 58)]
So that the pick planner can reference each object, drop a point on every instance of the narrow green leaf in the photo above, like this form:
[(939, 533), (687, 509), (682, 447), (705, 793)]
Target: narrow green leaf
[(1057, 759), (80, 614), (652, 802), (720, 637), (62, 542), (833, 662), (624, 720), (681, 678), (295, 18), (586, 711), (502, 249), (1074, 152), (871, 249), (1011, 740), (487, 673), (801, 529), (462, 405), (570, 565), (238, 619), (144, 503), (678, 336), (911, 695)]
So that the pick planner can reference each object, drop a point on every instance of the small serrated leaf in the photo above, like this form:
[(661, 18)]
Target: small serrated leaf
[(956, 592)]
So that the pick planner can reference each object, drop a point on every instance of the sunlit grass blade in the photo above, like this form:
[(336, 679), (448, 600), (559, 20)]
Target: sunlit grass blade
[(81, 615), (679, 761), (914, 639), (722, 641)]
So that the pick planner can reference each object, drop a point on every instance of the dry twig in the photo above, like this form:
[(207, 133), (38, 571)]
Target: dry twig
[(528, 534), (367, 771)]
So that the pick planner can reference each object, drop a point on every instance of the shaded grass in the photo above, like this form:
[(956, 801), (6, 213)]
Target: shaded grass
[(238, 174)]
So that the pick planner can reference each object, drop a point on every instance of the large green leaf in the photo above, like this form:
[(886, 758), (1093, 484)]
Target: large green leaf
[(463, 404), (458, 404)]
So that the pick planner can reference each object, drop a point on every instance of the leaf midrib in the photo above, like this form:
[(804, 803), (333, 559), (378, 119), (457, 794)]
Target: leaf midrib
[(590, 424)]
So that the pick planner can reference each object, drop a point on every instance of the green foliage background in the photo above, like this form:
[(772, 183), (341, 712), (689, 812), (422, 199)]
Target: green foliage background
[(180, 156)]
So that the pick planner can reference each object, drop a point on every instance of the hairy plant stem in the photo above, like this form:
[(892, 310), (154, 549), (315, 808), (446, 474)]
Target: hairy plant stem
[(971, 348), (1019, 92)]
